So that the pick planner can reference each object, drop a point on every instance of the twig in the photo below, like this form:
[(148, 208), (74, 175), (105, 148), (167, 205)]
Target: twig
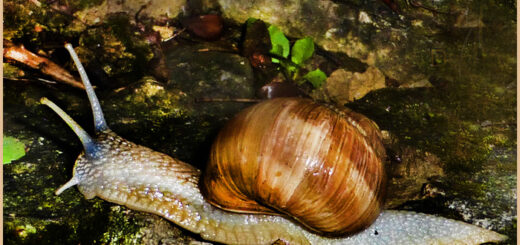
[(18, 79), (47, 67), (46, 81), (174, 35)]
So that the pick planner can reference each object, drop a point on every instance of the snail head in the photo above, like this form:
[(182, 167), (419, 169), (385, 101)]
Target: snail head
[(96, 150)]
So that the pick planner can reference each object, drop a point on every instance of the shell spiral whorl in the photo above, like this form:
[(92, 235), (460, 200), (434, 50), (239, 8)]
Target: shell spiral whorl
[(320, 166)]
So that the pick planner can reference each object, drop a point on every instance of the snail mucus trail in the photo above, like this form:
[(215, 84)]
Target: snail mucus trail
[(125, 173)]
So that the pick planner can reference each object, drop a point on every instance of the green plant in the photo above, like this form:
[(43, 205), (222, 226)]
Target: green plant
[(301, 51)]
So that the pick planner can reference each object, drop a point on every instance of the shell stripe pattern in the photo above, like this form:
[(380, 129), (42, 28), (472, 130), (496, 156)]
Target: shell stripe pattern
[(299, 158)]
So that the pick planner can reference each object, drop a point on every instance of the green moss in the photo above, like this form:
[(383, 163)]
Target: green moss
[(425, 118), (65, 229), (25, 21), (122, 228), (11, 71), (160, 101), (26, 168), (120, 50), (83, 4), (512, 230)]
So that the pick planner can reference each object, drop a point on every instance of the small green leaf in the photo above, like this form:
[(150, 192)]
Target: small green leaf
[(13, 149), (280, 43), (316, 77), (302, 50), (275, 60)]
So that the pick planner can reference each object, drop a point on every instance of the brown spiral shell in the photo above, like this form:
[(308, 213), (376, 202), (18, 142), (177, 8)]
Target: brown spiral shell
[(321, 166)]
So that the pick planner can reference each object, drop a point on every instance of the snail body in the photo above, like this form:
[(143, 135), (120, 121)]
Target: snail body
[(125, 173)]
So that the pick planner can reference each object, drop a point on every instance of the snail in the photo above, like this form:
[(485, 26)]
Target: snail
[(142, 179)]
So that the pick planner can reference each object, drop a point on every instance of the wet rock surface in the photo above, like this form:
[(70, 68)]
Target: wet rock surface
[(449, 104), (344, 86), (210, 77), (423, 166)]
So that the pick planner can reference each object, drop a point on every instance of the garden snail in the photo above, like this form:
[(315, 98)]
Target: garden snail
[(122, 172)]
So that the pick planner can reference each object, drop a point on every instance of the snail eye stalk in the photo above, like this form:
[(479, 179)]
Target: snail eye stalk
[(86, 140), (99, 120)]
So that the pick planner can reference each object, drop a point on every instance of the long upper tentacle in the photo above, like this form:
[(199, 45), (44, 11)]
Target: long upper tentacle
[(99, 120)]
